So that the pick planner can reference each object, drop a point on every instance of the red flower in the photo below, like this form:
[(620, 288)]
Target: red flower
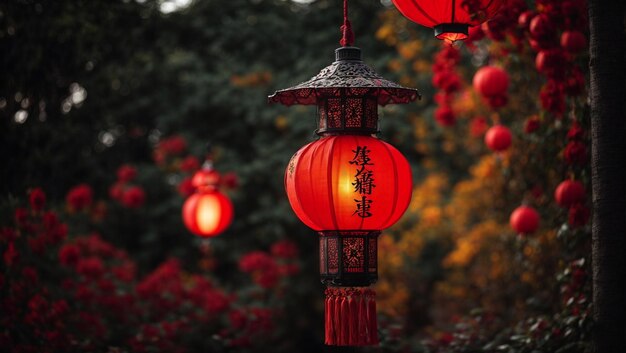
[(255, 260), (478, 126), (125, 272), (189, 164), (289, 269), (575, 153), (30, 275), (445, 116), (532, 124), (285, 249), (79, 197), (126, 173), (230, 180), (90, 267), (10, 255), (186, 188), (267, 278), (69, 254), (575, 132), (265, 271), (38, 244), (552, 98), (578, 215), (8, 234), (133, 197), (574, 84), (447, 81), (215, 301), (238, 319), (497, 101), (116, 191), (37, 199), (21, 216), (173, 145)]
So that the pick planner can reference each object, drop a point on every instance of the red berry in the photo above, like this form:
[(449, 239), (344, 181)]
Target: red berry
[(498, 138), (573, 41), (569, 192), (491, 81), (541, 27), (524, 219)]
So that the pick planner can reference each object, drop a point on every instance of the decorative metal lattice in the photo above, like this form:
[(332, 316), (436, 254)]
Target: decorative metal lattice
[(348, 71), (348, 258)]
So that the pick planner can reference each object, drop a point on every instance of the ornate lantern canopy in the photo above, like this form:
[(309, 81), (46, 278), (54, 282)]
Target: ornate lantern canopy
[(207, 212), (348, 185), (450, 19)]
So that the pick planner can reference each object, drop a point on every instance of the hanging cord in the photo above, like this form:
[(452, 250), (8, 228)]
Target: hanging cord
[(347, 37)]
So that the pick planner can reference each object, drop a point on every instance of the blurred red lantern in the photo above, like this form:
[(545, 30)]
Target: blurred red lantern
[(491, 81), (569, 192), (498, 138), (450, 19), (573, 41), (524, 220), (207, 212), (348, 185)]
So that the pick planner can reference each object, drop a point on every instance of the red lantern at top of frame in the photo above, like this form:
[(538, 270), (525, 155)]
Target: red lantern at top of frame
[(207, 212), (450, 19)]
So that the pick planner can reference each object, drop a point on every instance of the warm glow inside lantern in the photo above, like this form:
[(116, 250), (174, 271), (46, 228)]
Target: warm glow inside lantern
[(450, 19), (207, 212), (348, 186)]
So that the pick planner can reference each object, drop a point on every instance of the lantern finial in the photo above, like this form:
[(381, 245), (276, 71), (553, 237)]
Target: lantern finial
[(347, 36)]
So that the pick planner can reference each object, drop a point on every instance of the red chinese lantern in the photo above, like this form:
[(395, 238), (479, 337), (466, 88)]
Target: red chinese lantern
[(339, 181), (569, 193), (207, 212), (450, 19), (348, 185), (490, 81), (498, 138), (524, 220)]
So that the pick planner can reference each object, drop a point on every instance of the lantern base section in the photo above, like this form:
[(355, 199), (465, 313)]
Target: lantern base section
[(349, 258), (350, 316), (452, 31)]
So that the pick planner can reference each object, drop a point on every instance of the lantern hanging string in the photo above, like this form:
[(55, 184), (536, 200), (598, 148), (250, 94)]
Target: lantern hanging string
[(347, 37)]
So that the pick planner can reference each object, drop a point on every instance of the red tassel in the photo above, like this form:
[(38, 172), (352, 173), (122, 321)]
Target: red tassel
[(372, 319), (330, 320), (354, 322), (345, 321), (363, 321), (337, 318), (350, 315)]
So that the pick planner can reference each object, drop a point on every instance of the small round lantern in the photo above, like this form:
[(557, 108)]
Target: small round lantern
[(450, 19), (348, 185), (207, 212)]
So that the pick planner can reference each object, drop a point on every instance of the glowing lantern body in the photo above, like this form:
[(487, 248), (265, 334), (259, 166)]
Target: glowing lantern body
[(450, 19), (348, 186), (207, 212), (326, 185)]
